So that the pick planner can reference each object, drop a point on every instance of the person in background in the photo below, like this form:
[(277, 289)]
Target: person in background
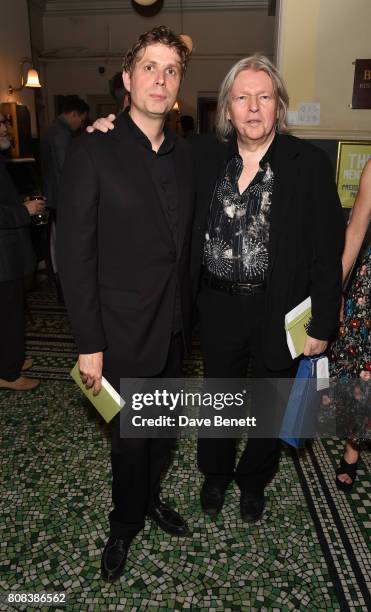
[(17, 259), (350, 355), (119, 93), (187, 125), (53, 149), (55, 142), (124, 230)]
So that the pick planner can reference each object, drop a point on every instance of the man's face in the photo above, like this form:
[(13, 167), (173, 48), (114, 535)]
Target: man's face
[(252, 106), (154, 82), (4, 136), (76, 120)]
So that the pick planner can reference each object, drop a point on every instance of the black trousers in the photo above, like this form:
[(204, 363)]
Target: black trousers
[(138, 464), (12, 347), (231, 334)]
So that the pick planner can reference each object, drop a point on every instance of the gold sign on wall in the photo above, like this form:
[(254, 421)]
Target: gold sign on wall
[(352, 158)]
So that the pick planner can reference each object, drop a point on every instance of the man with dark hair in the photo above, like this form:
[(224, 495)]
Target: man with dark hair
[(77, 109), (124, 226), (118, 92), (55, 143), (54, 146)]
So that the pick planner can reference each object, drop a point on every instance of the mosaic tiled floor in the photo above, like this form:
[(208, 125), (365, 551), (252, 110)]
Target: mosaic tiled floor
[(309, 552)]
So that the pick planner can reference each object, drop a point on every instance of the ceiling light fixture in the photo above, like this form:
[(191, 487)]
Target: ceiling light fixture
[(145, 2)]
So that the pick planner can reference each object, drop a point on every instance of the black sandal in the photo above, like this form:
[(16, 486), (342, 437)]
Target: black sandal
[(350, 469)]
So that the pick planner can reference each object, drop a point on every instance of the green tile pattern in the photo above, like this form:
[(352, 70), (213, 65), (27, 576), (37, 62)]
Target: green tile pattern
[(56, 496)]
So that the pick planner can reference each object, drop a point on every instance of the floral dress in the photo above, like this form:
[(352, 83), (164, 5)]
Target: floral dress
[(350, 359)]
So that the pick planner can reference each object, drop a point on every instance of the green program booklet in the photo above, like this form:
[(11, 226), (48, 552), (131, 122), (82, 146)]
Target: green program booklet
[(108, 402), (296, 326)]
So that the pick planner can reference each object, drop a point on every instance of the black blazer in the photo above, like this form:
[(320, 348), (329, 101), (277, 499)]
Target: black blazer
[(53, 148), (17, 258), (117, 258), (306, 237)]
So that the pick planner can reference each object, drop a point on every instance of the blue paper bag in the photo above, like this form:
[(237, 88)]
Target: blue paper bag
[(299, 421)]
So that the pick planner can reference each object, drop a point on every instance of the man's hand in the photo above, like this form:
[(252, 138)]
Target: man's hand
[(314, 347), (103, 124), (90, 367), (35, 206)]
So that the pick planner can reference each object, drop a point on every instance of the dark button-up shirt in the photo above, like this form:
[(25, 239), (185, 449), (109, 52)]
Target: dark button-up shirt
[(237, 235), (162, 170)]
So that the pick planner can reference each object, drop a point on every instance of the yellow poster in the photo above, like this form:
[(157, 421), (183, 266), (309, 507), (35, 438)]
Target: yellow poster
[(352, 157)]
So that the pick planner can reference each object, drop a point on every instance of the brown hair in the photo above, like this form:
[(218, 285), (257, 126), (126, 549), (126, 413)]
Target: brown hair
[(160, 34)]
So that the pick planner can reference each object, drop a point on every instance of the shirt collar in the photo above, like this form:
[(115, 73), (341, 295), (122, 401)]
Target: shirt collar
[(167, 145), (267, 157)]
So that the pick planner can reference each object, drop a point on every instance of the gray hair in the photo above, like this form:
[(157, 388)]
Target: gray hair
[(224, 128)]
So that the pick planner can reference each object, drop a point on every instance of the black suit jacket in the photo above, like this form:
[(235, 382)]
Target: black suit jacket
[(53, 149), (306, 237), (17, 258), (118, 261)]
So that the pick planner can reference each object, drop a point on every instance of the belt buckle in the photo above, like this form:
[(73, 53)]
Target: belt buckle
[(233, 288)]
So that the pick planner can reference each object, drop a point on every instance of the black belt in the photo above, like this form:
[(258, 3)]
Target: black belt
[(233, 288)]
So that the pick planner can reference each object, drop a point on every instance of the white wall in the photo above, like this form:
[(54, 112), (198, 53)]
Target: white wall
[(220, 38), (318, 42), (15, 45)]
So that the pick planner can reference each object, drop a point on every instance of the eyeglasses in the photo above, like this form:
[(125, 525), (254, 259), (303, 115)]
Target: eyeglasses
[(4, 122)]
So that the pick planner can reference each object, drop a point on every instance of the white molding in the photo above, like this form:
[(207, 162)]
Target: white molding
[(277, 34), (329, 134), (114, 56), (68, 7)]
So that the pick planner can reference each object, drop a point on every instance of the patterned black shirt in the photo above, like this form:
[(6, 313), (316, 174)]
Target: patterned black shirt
[(237, 235)]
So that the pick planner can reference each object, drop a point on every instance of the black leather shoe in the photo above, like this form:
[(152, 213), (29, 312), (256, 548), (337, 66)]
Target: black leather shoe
[(114, 558), (169, 520), (251, 506), (212, 498)]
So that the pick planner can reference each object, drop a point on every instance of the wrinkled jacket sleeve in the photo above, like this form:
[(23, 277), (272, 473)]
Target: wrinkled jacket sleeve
[(328, 227), (77, 247)]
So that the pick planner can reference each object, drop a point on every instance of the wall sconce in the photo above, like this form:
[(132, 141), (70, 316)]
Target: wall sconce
[(32, 79), (176, 108)]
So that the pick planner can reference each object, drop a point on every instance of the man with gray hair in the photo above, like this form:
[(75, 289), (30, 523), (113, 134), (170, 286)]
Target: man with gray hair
[(268, 233)]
